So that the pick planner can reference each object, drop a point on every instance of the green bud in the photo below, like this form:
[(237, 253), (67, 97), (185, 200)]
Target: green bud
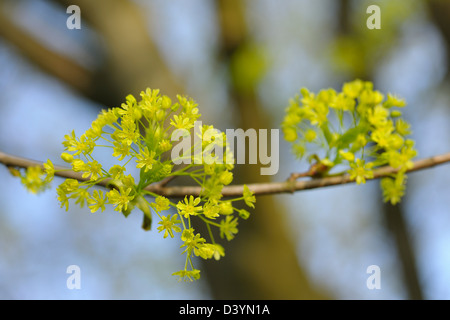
[(67, 157)]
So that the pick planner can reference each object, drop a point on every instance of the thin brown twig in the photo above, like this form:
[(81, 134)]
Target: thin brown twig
[(297, 175), (166, 180), (288, 186)]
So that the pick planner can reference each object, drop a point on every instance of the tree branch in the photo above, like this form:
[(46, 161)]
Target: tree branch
[(288, 186), (48, 60)]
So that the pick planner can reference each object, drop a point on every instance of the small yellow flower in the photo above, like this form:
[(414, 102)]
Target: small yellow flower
[(402, 159), (161, 203), (228, 227), (187, 275), (370, 97), (290, 134), (94, 170), (378, 117), (117, 171), (79, 165), (403, 128), (120, 199), (343, 102), (169, 225), (393, 101), (226, 208), (382, 136), (226, 177), (189, 207), (393, 190), (349, 156), (164, 145), (97, 201), (32, 180), (211, 211), (181, 122), (249, 198), (145, 159), (121, 150), (360, 171), (310, 135), (353, 89), (49, 170)]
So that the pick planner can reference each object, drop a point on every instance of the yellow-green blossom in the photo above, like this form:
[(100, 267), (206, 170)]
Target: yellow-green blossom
[(69, 185), (228, 227), (244, 214), (67, 157), (33, 179), (211, 210), (165, 145), (349, 156), (219, 251), (117, 171), (226, 177), (139, 133), (93, 170), (290, 134), (403, 128), (97, 201), (181, 122), (378, 117), (83, 145), (129, 132), (249, 198), (382, 136), (360, 171), (393, 190), (369, 97), (393, 101), (353, 89), (343, 102), (189, 207), (310, 135), (161, 203), (62, 198), (402, 159), (81, 195), (49, 170), (120, 198), (192, 242), (121, 150), (187, 275), (145, 159), (79, 165), (169, 225), (226, 208)]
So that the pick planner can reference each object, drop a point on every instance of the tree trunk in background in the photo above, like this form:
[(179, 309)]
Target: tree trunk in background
[(396, 224), (261, 262), (393, 216), (440, 13)]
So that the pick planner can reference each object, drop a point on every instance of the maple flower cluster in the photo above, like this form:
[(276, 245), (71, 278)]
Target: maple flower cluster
[(358, 128), (138, 133)]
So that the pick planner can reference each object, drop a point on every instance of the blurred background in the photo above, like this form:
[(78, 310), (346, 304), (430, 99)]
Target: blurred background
[(241, 61)]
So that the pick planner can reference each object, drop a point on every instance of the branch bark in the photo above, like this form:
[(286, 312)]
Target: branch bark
[(267, 188)]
